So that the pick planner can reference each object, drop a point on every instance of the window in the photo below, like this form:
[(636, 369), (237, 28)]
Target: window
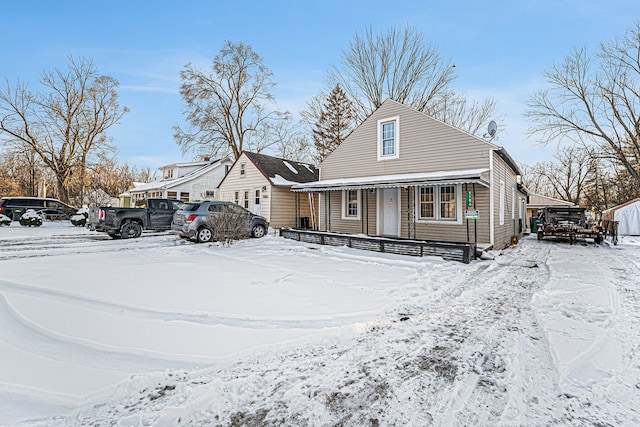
[(243, 170), (236, 197), (427, 202), (448, 202), (438, 203), (350, 204), (256, 200), (246, 200), (388, 138)]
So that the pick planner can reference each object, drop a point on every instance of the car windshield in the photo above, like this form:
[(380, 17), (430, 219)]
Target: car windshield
[(190, 207)]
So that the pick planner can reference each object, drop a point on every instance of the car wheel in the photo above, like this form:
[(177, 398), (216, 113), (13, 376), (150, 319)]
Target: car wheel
[(131, 230), (258, 231), (204, 235)]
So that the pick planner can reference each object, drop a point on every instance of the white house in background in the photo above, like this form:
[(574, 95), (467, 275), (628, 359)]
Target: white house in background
[(187, 181)]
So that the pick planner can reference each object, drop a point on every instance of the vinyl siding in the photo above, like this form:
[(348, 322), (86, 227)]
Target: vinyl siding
[(425, 145), (283, 207), (252, 180), (443, 231), (503, 173)]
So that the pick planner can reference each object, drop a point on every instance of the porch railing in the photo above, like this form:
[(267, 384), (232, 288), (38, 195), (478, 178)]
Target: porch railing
[(463, 252)]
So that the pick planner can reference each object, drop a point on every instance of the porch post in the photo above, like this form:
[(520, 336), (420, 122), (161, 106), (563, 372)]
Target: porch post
[(329, 211), (297, 202)]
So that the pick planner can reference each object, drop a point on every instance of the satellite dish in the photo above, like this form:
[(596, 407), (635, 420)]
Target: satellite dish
[(492, 128)]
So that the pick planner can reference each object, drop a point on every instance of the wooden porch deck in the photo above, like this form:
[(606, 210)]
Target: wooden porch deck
[(462, 252)]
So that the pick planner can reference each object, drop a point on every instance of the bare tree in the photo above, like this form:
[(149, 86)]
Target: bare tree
[(290, 140), (397, 65), (227, 106), (455, 109), (595, 99), (65, 123), (400, 65)]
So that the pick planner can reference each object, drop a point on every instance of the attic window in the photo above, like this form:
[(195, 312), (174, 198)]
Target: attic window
[(388, 138), (243, 170)]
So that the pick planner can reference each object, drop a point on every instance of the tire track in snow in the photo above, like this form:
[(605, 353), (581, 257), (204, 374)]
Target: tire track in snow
[(209, 319), (20, 333), (481, 394), (35, 247)]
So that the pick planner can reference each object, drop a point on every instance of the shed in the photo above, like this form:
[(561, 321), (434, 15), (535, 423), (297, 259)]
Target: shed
[(627, 215)]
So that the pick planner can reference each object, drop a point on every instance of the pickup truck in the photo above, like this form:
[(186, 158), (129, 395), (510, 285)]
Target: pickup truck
[(128, 223)]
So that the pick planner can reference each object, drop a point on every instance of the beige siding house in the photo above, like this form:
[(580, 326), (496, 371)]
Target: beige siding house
[(263, 183), (404, 174), (187, 181)]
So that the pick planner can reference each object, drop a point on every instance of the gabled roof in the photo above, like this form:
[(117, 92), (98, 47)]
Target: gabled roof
[(170, 183), (537, 200), (281, 172)]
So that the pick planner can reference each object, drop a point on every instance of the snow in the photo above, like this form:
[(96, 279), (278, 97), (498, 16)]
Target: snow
[(290, 166), (467, 175), (282, 182), (157, 331)]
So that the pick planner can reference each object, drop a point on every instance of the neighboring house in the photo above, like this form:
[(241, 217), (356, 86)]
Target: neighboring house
[(627, 215), (186, 181), (404, 174), (263, 183), (537, 203)]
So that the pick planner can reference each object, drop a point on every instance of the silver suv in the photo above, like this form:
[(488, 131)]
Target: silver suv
[(194, 220)]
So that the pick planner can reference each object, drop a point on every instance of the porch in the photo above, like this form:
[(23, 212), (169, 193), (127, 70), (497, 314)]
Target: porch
[(462, 252), (448, 206)]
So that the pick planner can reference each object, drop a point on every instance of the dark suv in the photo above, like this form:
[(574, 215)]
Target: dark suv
[(52, 209), (194, 220)]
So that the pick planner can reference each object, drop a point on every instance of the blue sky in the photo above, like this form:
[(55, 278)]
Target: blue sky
[(500, 48)]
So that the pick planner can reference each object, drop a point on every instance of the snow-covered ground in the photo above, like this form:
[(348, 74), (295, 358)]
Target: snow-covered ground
[(160, 332)]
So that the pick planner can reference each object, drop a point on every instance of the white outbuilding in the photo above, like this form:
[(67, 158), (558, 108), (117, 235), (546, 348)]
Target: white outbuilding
[(628, 217)]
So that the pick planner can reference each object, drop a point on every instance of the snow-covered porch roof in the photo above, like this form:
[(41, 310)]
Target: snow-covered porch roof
[(478, 176)]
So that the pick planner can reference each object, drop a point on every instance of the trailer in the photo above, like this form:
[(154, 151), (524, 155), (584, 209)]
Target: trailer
[(568, 223)]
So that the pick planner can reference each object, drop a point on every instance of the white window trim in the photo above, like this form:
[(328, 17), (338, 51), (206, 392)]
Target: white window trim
[(396, 154), (243, 170), (344, 206), (436, 197)]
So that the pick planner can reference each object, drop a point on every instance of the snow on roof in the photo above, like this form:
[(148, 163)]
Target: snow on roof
[(291, 168), (441, 177), (168, 183), (281, 182)]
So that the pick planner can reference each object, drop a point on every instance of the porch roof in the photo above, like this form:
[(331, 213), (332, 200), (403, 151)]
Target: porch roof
[(478, 176)]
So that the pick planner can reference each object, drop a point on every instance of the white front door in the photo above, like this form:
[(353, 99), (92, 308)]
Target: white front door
[(389, 198), (256, 201)]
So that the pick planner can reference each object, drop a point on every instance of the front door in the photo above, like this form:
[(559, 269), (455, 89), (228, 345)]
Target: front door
[(256, 202), (389, 198)]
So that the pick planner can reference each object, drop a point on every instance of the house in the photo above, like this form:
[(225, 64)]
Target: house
[(406, 175), (262, 184), (627, 215), (538, 202), (187, 181)]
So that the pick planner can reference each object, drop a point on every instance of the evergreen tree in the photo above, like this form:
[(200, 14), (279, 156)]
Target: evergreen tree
[(334, 124)]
